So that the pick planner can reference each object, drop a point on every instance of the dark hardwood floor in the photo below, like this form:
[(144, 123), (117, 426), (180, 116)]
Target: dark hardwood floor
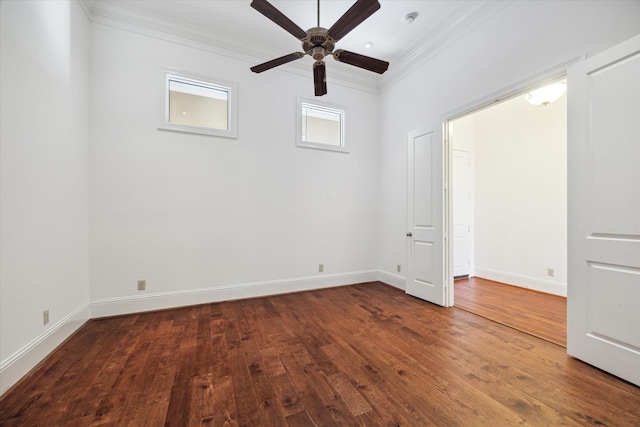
[(364, 355), (537, 313)]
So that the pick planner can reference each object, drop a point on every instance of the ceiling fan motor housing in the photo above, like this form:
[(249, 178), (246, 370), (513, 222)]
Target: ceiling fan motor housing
[(318, 43)]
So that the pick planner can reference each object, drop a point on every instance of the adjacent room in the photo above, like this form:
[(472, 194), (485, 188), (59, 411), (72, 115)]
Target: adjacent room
[(509, 169), (193, 232)]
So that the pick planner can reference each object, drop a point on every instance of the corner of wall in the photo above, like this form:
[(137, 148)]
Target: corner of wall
[(28, 357), (392, 279)]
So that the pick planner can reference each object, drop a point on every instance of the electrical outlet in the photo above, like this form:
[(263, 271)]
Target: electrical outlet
[(320, 268), (550, 272), (398, 268), (45, 316), (142, 285)]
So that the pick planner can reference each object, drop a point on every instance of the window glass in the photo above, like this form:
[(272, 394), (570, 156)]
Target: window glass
[(197, 105)]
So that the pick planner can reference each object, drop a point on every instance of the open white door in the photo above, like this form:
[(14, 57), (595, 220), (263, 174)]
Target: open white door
[(425, 223), (603, 305)]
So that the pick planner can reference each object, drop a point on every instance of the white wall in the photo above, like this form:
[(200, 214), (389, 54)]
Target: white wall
[(520, 183), (44, 179), (201, 217), (523, 39)]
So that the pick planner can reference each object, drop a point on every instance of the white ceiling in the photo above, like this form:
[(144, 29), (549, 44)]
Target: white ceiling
[(235, 26)]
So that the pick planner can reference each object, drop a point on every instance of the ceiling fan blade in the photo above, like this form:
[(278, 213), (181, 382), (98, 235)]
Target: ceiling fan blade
[(361, 10), (278, 61), (268, 10), (362, 61), (320, 78)]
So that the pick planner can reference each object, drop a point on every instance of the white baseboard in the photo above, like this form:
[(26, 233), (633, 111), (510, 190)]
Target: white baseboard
[(537, 284), (159, 301), (22, 361), (392, 279)]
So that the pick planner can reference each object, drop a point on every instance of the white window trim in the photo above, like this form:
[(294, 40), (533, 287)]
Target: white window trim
[(319, 146), (163, 102)]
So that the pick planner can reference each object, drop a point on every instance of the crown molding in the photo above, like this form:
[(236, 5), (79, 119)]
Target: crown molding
[(125, 16), (224, 40)]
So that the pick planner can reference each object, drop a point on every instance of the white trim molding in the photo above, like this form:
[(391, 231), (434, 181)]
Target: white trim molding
[(537, 284), (164, 300), (25, 359)]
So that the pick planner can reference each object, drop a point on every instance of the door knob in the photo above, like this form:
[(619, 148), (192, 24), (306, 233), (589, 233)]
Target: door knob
[(409, 234)]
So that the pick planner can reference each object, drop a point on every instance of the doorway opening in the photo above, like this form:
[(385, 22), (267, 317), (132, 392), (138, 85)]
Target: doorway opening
[(508, 214)]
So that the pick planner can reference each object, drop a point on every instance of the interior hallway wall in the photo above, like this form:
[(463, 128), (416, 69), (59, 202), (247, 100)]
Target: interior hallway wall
[(520, 193)]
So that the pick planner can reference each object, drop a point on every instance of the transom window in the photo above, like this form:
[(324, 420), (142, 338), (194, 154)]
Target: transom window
[(198, 104), (321, 126)]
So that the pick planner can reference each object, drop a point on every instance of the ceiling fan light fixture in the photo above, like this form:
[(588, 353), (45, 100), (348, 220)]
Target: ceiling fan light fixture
[(318, 53), (409, 18)]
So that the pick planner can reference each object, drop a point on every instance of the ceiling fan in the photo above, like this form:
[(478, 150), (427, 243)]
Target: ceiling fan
[(319, 42)]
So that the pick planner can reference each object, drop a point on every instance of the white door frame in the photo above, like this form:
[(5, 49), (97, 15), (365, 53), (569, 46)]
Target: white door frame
[(549, 75)]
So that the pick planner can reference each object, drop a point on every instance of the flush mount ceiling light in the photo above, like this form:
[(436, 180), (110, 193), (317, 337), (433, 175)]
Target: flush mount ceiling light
[(368, 45), (409, 18), (546, 95)]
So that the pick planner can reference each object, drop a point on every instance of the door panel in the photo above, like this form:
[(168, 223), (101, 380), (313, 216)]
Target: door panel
[(422, 181), (616, 162), (606, 283), (425, 195), (423, 272), (603, 305)]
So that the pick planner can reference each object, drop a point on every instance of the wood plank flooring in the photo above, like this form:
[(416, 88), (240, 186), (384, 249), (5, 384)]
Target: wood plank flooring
[(537, 313), (366, 355)]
